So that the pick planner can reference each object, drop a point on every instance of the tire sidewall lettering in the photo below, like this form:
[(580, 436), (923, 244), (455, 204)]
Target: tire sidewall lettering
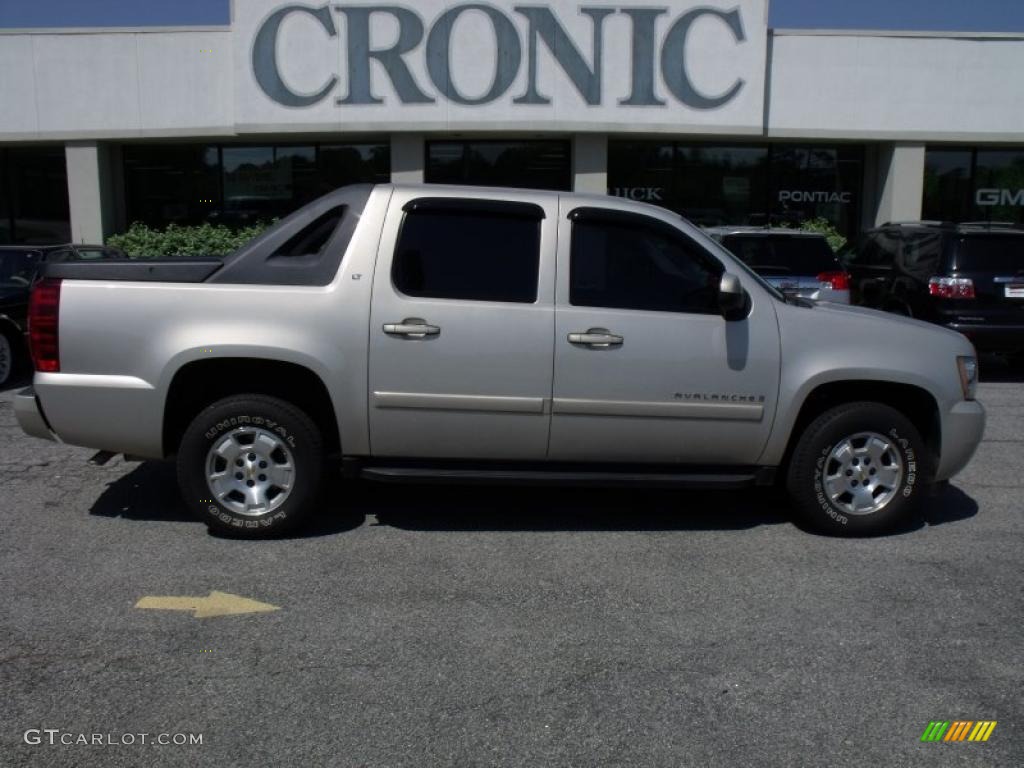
[(909, 461), (226, 425), (819, 487)]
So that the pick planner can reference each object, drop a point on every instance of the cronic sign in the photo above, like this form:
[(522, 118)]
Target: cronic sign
[(662, 48)]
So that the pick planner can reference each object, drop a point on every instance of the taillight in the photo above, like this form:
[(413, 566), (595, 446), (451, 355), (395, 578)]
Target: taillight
[(837, 281), (44, 325), (951, 287)]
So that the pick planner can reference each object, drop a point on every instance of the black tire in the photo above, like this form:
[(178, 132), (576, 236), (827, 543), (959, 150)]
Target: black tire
[(812, 463), (10, 356), (233, 420)]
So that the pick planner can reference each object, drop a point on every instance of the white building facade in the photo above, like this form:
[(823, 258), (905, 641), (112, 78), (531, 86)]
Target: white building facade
[(699, 107)]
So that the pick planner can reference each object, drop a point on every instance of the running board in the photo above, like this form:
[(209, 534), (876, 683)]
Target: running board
[(384, 474)]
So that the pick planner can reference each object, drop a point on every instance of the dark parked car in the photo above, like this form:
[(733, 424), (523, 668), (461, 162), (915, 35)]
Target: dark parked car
[(18, 267), (798, 263), (968, 277)]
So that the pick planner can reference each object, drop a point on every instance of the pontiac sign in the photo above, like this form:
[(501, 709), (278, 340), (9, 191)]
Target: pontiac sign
[(665, 66)]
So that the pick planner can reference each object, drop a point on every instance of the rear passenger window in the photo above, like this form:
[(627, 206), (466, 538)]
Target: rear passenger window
[(472, 255), (628, 265)]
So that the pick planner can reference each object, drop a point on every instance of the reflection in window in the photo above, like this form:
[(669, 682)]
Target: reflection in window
[(171, 183), (723, 185), (523, 164), (263, 183), (817, 182), (34, 196), (965, 184), (947, 184), (713, 184), (999, 185), (240, 185)]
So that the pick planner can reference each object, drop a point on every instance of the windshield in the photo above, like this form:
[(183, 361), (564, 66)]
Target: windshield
[(18, 268)]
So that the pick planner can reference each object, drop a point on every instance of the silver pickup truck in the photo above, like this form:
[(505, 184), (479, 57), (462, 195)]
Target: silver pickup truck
[(409, 333)]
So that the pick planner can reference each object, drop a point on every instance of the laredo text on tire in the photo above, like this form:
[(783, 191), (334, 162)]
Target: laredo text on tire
[(859, 468), (251, 466)]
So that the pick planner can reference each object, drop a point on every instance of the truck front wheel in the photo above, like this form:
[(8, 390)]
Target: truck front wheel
[(858, 469), (250, 466)]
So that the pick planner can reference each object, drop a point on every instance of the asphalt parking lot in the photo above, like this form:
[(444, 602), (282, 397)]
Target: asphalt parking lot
[(466, 626)]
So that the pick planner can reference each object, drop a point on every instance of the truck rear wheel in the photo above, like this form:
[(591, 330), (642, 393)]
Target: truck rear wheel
[(250, 466), (858, 469), (8, 359)]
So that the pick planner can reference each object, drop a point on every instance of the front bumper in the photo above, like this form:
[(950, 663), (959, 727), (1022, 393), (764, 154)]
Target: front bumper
[(29, 414), (962, 429)]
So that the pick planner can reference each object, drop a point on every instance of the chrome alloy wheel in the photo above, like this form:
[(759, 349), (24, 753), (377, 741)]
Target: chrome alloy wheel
[(250, 470), (862, 473)]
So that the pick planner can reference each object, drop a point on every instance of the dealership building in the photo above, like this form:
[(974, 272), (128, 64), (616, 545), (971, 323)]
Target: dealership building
[(696, 106)]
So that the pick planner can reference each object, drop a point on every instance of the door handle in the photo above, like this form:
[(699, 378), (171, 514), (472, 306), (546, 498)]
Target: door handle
[(598, 338), (412, 328)]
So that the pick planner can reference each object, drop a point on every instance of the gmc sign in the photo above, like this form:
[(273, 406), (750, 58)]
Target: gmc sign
[(993, 197)]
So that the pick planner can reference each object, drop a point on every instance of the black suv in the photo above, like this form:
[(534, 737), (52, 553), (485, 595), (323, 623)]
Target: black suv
[(968, 277)]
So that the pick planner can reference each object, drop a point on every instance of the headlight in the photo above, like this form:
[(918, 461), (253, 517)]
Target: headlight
[(968, 375)]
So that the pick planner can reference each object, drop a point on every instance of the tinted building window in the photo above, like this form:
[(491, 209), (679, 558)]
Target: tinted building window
[(239, 185), (478, 256), (523, 164), (817, 183), (742, 184), (263, 183), (167, 184), (999, 185), (34, 196), (644, 171), (627, 265), (723, 185), (965, 184), (947, 184), (342, 164)]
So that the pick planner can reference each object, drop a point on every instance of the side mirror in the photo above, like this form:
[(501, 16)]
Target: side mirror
[(733, 301)]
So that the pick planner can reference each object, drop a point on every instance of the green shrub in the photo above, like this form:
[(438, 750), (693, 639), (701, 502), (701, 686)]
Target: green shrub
[(144, 242), (824, 227)]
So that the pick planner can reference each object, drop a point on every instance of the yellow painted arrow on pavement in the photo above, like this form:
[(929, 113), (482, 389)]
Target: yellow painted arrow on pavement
[(216, 604)]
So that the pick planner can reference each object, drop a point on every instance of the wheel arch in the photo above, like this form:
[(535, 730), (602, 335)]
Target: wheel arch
[(200, 383), (916, 403)]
